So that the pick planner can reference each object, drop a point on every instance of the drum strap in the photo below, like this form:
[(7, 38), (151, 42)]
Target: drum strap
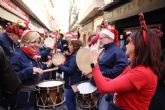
[(26, 92), (28, 88)]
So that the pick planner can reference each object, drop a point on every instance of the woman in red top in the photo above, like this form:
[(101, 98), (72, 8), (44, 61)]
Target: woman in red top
[(135, 87)]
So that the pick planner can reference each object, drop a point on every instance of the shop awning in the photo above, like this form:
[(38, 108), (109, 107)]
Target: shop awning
[(9, 16)]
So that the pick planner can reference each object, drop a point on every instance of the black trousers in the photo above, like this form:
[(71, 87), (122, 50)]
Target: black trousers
[(2, 108)]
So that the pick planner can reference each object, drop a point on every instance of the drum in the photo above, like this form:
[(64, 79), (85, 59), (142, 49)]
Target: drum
[(58, 59), (87, 96), (83, 60), (50, 94)]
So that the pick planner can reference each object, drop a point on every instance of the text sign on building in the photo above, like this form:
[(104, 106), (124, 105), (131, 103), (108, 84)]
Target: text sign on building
[(8, 5)]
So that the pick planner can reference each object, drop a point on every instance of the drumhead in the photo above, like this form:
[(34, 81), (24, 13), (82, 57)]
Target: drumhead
[(86, 88), (58, 57), (83, 60), (50, 83)]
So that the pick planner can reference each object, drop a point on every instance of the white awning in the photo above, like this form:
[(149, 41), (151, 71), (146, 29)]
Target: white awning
[(9, 16)]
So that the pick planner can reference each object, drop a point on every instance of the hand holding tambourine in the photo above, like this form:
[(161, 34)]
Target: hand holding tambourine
[(58, 59), (95, 52), (49, 62), (83, 60), (87, 55)]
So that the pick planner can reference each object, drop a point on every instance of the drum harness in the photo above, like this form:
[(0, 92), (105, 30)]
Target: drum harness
[(26, 89)]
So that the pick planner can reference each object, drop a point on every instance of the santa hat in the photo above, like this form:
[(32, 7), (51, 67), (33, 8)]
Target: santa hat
[(116, 39), (70, 36), (108, 33), (28, 25), (41, 31), (112, 33), (54, 34)]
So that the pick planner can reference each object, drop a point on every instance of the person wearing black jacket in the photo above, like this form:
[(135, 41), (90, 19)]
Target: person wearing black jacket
[(9, 81)]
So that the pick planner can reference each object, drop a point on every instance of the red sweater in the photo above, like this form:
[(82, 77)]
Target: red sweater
[(134, 87)]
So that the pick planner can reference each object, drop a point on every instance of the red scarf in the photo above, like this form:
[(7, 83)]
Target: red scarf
[(32, 54)]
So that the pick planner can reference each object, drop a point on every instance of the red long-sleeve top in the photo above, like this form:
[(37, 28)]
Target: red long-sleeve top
[(134, 87), (94, 40)]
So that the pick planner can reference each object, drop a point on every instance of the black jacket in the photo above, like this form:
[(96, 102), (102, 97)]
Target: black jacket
[(9, 81)]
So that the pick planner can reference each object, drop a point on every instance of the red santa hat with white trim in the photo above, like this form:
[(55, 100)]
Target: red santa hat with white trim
[(54, 34), (29, 25), (41, 31), (70, 36), (112, 33)]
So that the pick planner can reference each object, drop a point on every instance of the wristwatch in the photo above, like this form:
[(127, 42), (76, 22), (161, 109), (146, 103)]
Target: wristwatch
[(93, 65)]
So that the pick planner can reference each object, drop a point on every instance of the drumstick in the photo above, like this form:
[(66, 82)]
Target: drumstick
[(51, 69)]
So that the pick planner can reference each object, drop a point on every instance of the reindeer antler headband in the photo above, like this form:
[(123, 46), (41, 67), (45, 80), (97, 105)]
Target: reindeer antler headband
[(143, 26)]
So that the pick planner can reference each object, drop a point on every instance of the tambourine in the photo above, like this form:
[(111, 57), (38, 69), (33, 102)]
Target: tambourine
[(58, 59), (83, 60), (49, 42)]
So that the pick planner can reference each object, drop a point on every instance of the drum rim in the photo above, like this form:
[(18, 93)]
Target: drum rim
[(49, 87), (87, 82), (79, 56), (62, 58)]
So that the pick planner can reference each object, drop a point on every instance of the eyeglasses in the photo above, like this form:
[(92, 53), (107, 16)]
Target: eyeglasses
[(102, 38)]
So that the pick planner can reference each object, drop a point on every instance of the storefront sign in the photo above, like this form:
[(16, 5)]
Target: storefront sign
[(8, 5)]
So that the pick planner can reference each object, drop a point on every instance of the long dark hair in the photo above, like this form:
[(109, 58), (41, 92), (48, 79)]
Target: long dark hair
[(147, 52)]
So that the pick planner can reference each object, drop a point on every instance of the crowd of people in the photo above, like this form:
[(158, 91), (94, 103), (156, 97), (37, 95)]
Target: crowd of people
[(132, 79)]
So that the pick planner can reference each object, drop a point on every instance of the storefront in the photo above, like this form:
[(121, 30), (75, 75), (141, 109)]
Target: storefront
[(125, 17), (11, 13), (9, 16), (154, 19)]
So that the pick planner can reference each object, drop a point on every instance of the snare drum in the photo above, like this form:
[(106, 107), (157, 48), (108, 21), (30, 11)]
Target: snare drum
[(87, 96), (50, 94)]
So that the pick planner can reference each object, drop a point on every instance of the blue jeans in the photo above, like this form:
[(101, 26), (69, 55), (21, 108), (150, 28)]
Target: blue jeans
[(102, 102), (106, 102), (70, 99)]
